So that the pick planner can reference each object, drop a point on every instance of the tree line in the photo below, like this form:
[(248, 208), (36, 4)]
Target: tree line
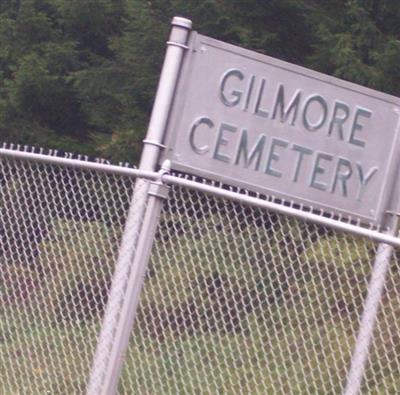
[(80, 75)]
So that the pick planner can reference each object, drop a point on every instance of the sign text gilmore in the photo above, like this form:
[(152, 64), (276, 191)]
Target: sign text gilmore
[(259, 123)]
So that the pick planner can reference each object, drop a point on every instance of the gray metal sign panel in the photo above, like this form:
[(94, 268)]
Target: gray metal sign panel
[(256, 122)]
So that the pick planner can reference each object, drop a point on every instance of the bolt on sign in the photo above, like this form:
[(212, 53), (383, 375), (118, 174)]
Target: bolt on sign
[(272, 127)]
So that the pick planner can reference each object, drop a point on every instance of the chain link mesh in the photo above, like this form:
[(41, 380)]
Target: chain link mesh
[(60, 232), (237, 300)]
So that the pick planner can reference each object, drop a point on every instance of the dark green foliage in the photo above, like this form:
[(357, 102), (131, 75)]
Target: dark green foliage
[(45, 44), (359, 41), (81, 75)]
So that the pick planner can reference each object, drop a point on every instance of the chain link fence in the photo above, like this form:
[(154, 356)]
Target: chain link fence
[(60, 231), (237, 299), (240, 300)]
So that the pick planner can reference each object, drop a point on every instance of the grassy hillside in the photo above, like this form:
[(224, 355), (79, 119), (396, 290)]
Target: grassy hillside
[(235, 300)]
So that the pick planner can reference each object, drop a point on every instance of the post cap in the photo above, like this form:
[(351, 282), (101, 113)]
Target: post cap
[(182, 22)]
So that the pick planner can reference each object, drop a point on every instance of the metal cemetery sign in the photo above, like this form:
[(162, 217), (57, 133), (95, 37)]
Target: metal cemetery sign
[(269, 126)]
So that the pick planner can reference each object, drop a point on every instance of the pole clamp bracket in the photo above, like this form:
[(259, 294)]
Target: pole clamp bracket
[(158, 190), (395, 213), (175, 44), (394, 222), (152, 142)]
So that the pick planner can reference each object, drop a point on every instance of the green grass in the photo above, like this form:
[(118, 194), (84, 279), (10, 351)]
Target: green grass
[(41, 357), (223, 310)]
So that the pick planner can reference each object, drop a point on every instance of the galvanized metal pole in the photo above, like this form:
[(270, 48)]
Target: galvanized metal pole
[(177, 45), (376, 285), (157, 192), (368, 320), (139, 230)]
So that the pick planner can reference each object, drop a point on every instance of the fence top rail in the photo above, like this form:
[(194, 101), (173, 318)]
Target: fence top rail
[(376, 235), (77, 163), (382, 237)]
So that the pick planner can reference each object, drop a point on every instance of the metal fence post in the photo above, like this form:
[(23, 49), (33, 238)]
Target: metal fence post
[(375, 290), (142, 217), (157, 193), (370, 315)]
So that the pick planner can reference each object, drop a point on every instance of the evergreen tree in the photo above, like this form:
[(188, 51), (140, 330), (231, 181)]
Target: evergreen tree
[(81, 74), (359, 41), (45, 44)]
